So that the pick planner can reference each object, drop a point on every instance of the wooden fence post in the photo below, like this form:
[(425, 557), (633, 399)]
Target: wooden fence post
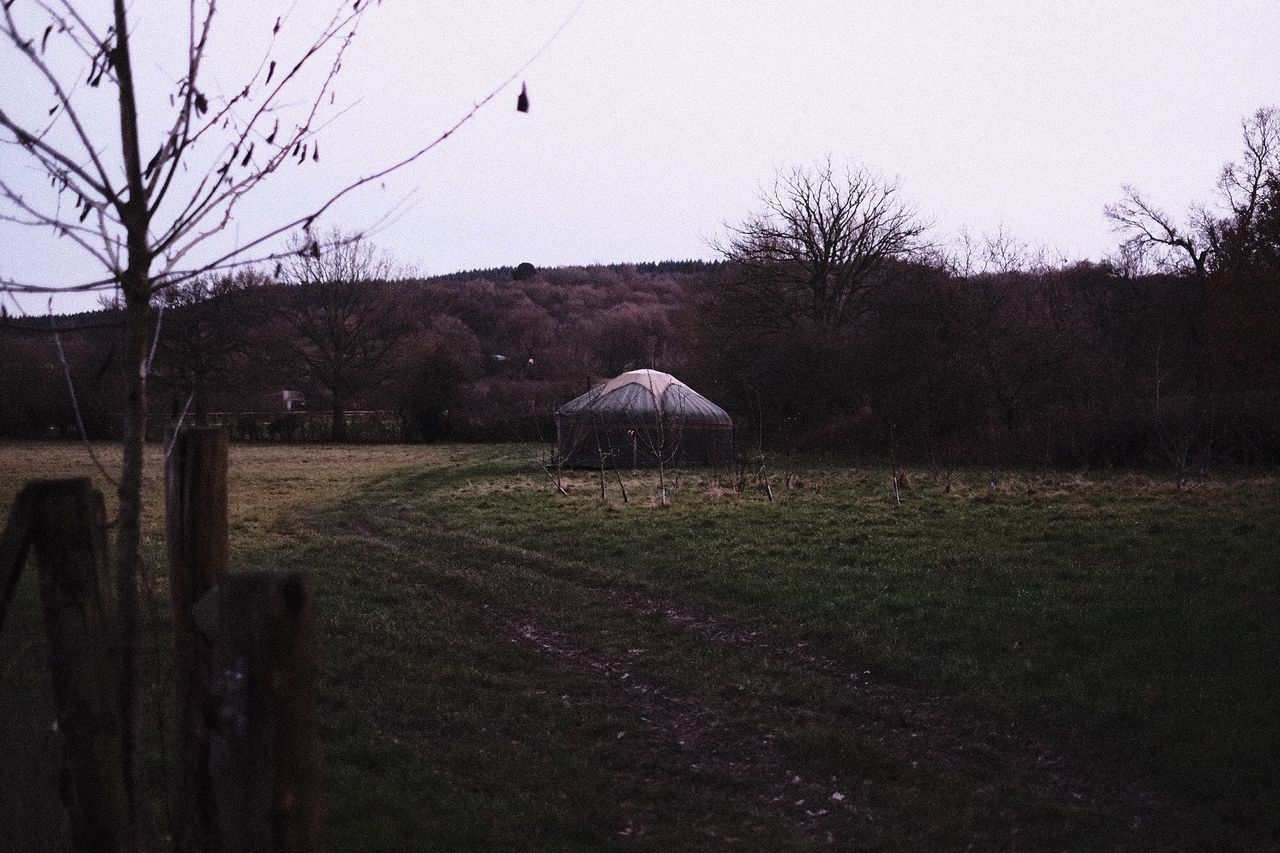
[(67, 529), (266, 751), (14, 543), (196, 520)]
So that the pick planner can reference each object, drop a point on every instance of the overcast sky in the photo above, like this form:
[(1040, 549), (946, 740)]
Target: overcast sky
[(654, 123)]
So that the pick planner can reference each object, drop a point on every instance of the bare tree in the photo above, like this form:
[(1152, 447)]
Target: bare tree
[(1246, 186), (1242, 189), (140, 216), (149, 199), (1199, 247), (345, 324), (1151, 230), (207, 329), (995, 253), (812, 252)]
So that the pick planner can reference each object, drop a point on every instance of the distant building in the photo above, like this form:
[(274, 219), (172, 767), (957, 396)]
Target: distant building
[(293, 401), (643, 417)]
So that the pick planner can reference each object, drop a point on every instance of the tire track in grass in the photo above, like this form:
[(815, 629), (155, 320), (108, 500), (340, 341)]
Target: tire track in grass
[(662, 737), (708, 708)]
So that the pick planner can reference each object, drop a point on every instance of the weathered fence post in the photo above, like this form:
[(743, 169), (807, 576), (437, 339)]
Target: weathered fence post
[(14, 543), (266, 751), (65, 524), (196, 521)]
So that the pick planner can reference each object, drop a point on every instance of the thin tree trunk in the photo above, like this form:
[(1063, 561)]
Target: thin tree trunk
[(621, 485), (135, 283), (128, 554)]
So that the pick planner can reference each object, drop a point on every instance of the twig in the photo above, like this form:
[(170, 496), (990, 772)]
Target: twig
[(621, 485), (559, 488), (75, 403), (177, 427), (155, 340)]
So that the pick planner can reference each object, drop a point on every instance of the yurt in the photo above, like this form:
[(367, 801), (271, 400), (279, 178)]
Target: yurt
[(643, 418)]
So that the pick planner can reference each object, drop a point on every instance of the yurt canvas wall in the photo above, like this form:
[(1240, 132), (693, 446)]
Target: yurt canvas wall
[(641, 418)]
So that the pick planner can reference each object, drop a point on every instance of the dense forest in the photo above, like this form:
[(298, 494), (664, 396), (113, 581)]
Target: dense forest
[(831, 322)]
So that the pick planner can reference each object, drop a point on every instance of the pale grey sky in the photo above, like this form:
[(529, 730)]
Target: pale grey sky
[(655, 123)]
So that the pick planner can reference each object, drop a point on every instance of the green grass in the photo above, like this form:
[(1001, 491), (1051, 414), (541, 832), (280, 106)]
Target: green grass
[(1139, 618), (1028, 663)]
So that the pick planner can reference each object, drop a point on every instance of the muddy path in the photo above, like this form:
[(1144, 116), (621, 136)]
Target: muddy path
[(701, 731)]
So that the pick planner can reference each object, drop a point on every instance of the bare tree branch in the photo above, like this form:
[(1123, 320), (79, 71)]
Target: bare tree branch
[(227, 199), (10, 285), (76, 232), (179, 137), (1149, 227), (207, 197), (75, 402), (103, 184), (812, 251)]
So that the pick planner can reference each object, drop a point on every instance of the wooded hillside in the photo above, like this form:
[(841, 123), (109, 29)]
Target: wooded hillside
[(1078, 364)]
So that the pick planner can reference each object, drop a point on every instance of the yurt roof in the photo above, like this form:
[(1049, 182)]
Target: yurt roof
[(644, 394)]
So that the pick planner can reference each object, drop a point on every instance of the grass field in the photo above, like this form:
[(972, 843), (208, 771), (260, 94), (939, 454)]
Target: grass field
[(1018, 660)]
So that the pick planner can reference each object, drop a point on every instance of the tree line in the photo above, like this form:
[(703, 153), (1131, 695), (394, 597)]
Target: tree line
[(832, 321)]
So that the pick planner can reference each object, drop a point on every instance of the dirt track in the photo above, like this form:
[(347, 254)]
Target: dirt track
[(690, 707)]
